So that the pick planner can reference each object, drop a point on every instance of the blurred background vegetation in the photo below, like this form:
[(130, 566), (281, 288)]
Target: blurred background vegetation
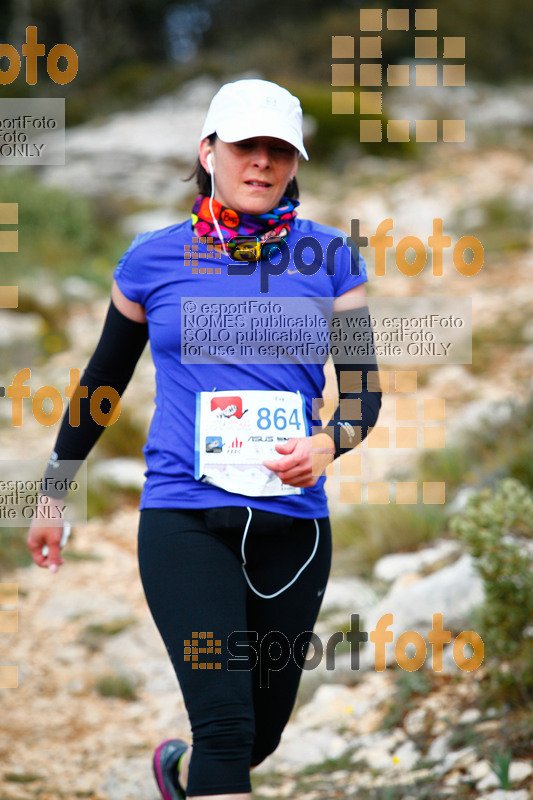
[(134, 51), (130, 50)]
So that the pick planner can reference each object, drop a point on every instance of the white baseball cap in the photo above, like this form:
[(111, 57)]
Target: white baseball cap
[(247, 108)]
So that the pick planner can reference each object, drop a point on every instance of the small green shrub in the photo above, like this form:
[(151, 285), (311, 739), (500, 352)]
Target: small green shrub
[(409, 685), (336, 130), (412, 684), (500, 763), (496, 525), (375, 531), (495, 449), (23, 777), (464, 735), (452, 464), (103, 500), (82, 555), (94, 635), (63, 233), (520, 732), (124, 438), (116, 685), (506, 225), (13, 549), (491, 343)]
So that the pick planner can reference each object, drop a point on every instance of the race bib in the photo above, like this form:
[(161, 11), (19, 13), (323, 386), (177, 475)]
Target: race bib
[(236, 431)]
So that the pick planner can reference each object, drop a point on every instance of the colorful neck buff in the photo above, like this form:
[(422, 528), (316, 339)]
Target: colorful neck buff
[(274, 225)]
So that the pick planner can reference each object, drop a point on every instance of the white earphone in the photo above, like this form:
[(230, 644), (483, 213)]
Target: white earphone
[(211, 168)]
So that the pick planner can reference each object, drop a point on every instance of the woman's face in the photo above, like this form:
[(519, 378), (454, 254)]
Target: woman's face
[(251, 175)]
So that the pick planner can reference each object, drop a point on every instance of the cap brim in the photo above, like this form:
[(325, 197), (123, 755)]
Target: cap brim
[(230, 132)]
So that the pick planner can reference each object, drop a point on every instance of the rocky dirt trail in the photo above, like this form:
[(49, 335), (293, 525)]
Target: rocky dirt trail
[(61, 737), (87, 629)]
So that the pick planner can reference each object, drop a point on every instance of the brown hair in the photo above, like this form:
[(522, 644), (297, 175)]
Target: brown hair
[(203, 179)]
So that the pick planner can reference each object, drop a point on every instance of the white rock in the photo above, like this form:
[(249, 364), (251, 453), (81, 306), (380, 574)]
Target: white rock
[(348, 593), (300, 748), (267, 791), (466, 756), (457, 758), (130, 779), (480, 770), (327, 705), (469, 716), (452, 591), (141, 648), (450, 379), (70, 654), (76, 288), (502, 794), (149, 221), (449, 665), (70, 604), (461, 499), (438, 748), (488, 781), (383, 740), (18, 328), (337, 705), (375, 758), (519, 771), (414, 721), (124, 473), (478, 413), (392, 566), (39, 288), (134, 153), (406, 755), (453, 778)]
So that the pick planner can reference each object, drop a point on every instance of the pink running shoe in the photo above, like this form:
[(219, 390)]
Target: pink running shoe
[(164, 763)]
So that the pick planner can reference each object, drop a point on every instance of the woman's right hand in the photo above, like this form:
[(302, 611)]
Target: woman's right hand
[(49, 534)]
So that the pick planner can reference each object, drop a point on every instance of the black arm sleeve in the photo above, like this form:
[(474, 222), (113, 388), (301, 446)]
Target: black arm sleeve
[(112, 364), (359, 389)]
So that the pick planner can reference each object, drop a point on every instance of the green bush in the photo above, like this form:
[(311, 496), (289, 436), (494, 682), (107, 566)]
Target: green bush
[(13, 549), (493, 450), (497, 527), (122, 439), (409, 687), (116, 685), (333, 131), (501, 761), (505, 225), (60, 232), (374, 531), (497, 341), (94, 635)]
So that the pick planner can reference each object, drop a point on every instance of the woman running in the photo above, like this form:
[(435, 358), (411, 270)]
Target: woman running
[(234, 542)]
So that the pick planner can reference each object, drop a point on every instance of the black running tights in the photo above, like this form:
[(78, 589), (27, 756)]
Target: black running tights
[(238, 657)]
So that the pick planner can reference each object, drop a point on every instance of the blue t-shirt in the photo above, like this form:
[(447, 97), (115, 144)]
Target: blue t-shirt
[(157, 272)]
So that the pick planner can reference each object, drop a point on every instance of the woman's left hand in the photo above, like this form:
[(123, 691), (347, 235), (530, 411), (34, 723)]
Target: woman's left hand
[(304, 460)]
